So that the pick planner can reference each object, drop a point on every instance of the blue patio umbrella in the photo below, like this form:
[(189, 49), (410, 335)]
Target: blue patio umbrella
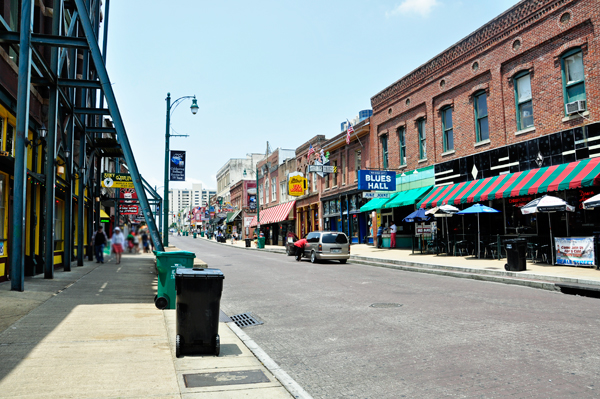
[(478, 208), (417, 216)]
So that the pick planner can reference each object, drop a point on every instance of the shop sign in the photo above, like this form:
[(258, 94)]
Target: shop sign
[(376, 195), (575, 251), (117, 180), (128, 209), (520, 202), (585, 194), (380, 180), (247, 221), (297, 186), (423, 230)]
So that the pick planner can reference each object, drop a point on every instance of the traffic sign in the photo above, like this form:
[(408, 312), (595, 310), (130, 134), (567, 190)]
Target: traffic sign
[(315, 168), (376, 195)]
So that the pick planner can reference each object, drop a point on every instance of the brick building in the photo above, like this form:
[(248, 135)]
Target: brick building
[(308, 206), (518, 95)]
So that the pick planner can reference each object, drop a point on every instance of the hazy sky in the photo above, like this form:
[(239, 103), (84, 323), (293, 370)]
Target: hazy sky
[(278, 71)]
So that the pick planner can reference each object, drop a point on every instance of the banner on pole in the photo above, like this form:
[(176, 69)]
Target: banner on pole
[(177, 163)]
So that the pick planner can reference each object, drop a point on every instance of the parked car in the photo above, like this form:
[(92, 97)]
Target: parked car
[(327, 245)]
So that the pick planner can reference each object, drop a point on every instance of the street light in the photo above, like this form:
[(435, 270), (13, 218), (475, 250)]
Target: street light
[(170, 109)]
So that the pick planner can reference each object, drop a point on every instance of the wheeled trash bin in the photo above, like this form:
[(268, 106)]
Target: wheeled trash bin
[(194, 235), (166, 264), (261, 242), (516, 255), (248, 242), (198, 304)]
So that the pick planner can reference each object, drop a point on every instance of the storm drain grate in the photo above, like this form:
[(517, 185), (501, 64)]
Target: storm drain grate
[(245, 320), (385, 305)]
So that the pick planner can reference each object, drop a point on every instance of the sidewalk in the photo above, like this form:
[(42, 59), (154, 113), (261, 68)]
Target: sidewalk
[(537, 275), (95, 332)]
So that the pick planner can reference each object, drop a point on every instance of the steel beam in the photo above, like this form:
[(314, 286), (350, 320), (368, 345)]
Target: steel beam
[(68, 217), (117, 120), (46, 40), (17, 245), (92, 111), (81, 201)]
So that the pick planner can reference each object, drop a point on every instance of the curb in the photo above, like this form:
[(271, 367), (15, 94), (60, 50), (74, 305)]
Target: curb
[(504, 277), (288, 382)]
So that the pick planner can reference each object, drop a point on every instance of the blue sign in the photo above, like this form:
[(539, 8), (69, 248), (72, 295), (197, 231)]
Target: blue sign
[(376, 180)]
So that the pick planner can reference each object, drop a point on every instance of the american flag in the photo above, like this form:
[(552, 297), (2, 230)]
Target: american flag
[(311, 151), (350, 130)]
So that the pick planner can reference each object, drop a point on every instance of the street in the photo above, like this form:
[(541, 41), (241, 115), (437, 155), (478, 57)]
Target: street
[(354, 331)]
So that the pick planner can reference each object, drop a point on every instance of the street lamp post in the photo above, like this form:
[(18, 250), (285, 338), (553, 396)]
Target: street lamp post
[(194, 109)]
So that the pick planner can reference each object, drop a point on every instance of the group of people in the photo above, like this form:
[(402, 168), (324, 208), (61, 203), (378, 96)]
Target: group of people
[(392, 230), (118, 242)]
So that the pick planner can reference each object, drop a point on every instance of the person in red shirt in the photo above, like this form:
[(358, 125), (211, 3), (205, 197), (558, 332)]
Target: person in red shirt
[(300, 244)]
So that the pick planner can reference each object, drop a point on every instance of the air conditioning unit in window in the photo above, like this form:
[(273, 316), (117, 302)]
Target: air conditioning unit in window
[(576, 106)]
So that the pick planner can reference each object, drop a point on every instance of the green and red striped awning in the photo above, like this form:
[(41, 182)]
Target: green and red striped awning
[(572, 175)]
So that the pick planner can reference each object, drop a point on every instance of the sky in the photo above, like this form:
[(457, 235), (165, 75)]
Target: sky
[(268, 70)]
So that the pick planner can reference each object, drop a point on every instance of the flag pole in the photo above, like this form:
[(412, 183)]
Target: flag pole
[(356, 134)]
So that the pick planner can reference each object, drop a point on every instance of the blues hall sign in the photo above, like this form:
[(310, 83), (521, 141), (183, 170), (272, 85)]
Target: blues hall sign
[(377, 180)]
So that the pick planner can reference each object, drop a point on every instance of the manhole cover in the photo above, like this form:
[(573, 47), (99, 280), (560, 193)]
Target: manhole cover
[(245, 320), (385, 305)]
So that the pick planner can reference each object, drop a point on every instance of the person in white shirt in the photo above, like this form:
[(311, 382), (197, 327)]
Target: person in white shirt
[(118, 242), (393, 230)]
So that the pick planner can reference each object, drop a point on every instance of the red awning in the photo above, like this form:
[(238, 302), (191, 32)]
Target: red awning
[(274, 214)]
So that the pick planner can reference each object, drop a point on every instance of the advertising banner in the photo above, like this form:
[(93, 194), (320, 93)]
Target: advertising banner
[(377, 180), (129, 209), (117, 180), (297, 186), (177, 166), (575, 251)]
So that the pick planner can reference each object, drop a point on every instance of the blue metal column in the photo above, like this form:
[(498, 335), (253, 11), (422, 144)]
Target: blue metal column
[(17, 245), (68, 224), (167, 177), (118, 121), (81, 201)]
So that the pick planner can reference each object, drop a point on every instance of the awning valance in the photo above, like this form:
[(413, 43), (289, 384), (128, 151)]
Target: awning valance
[(408, 197), (275, 214), (572, 175), (376, 203), (232, 215)]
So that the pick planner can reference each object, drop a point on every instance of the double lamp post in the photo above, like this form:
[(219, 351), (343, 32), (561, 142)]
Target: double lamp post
[(170, 109)]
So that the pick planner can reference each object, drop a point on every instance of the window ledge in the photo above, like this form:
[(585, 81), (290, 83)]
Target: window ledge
[(482, 142), (524, 131), (402, 166), (422, 160), (448, 153), (575, 116)]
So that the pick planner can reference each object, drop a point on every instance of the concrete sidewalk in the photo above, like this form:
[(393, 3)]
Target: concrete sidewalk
[(94, 332), (537, 275)]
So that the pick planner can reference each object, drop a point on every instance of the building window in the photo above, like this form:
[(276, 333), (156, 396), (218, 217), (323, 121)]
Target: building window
[(307, 182), (573, 76), (266, 189), (334, 175), (326, 182), (283, 192), (10, 135), (3, 220), (482, 129), (447, 129), (58, 225), (402, 145), (524, 101), (357, 162), (384, 151), (343, 169), (314, 182), (422, 139), (260, 193), (274, 190)]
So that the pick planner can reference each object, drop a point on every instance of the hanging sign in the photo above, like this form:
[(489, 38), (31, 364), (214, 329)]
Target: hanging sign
[(297, 186), (379, 180), (177, 166), (376, 195), (117, 180), (128, 209), (576, 251)]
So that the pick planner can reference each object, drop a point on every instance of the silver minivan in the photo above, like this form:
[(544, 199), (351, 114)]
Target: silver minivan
[(327, 245)]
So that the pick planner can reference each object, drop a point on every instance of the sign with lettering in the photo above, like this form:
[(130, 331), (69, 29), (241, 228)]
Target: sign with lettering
[(376, 195), (519, 202), (297, 186), (177, 166), (376, 180), (117, 180), (128, 209), (423, 230), (576, 251)]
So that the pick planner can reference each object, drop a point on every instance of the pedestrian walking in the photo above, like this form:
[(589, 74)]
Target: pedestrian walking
[(380, 237), (136, 243), (145, 242), (393, 230), (118, 241), (99, 240), (129, 242), (300, 244)]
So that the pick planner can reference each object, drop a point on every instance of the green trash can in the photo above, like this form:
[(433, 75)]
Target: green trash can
[(195, 235), (201, 234), (261, 242), (167, 263)]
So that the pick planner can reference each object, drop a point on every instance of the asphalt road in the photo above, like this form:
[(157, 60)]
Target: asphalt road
[(448, 337)]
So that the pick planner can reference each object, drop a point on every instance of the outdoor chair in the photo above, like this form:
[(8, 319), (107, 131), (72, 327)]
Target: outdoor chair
[(462, 247)]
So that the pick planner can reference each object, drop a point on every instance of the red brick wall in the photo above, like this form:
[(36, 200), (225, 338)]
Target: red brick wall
[(543, 39)]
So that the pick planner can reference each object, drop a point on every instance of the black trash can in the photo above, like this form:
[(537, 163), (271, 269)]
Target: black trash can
[(248, 242), (198, 305), (516, 255)]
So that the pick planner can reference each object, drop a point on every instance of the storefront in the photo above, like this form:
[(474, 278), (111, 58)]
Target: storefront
[(342, 213), (234, 222), (276, 223)]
